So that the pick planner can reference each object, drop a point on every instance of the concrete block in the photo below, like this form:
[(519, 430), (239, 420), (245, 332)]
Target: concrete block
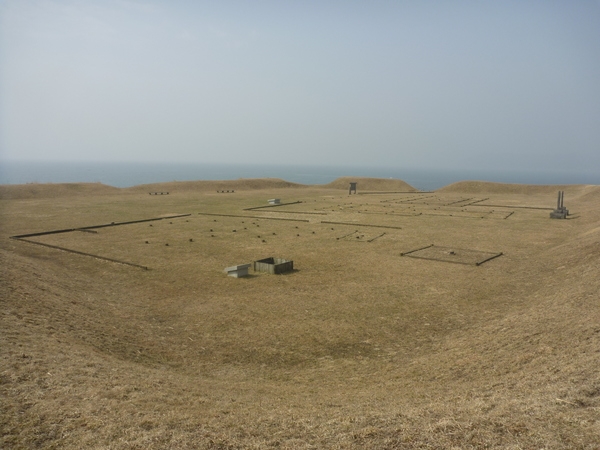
[(237, 271), (273, 265)]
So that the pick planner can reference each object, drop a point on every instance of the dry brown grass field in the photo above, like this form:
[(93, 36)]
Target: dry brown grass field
[(359, 347)]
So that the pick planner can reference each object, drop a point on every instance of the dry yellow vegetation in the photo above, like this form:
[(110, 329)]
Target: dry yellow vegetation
[(357, 348)]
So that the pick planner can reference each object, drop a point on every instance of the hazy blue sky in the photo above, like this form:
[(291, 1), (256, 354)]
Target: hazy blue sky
[(456, 84)]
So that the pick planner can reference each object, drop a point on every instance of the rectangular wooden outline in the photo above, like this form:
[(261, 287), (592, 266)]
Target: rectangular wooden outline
[(296, 212), (521, 207), (410, 199), (376, 237), (77, 252), (476, 201), (254, 217), (90, 229), (273, 266), (361, 225), (395, 192), (271, 206), (477, 263), (416, 250), (391, 214), (112, 224), (344, 237)]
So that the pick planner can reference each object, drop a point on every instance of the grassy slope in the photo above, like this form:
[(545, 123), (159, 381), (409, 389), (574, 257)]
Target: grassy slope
[(57, 190), (98, 355), (486, 187)]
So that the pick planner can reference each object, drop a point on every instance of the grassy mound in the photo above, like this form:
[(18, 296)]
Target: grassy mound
[(488, 187), (371, 184), (242, 184), (54, 190)]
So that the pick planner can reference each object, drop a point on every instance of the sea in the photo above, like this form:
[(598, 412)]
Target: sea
[(126, 174)]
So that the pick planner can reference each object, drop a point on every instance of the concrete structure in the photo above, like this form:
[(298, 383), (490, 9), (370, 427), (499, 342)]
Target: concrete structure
[(560, 212), (273, 265), (275, 201), (237, 271), (352, 188)]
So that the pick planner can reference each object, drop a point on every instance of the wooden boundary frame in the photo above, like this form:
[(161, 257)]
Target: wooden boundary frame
[(90, 229), (297, 212), (77, 252), (486, 260), (477, 201), (112, 224), (254, 217), (522, 207), (466, 200), (346, 235), (354, 232), (274, 266), (396, 192), (271, 206), (391, 214), (396, 200), (456, 215), (459, 201), (416, 250), (361, 225), (415, 199), (477, 263)]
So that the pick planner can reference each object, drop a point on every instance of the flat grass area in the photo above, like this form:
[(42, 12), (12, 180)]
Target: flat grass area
[(358, 347)]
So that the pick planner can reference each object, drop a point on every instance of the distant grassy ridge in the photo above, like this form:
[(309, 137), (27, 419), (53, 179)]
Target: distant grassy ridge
[(51, 190), (371, 184), (241, 184), (54, 190), (487, 187), (364, 184)]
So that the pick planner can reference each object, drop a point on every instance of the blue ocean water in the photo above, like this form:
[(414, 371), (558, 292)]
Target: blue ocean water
[(120, 174)]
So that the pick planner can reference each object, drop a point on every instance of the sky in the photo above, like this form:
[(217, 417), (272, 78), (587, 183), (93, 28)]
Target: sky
[(508, 85)]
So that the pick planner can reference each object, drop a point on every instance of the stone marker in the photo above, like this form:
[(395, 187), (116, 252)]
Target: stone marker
[(560, 212), (273, 265), (237, 271)]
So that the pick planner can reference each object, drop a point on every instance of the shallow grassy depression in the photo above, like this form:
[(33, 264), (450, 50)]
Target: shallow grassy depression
[(387, 334)]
